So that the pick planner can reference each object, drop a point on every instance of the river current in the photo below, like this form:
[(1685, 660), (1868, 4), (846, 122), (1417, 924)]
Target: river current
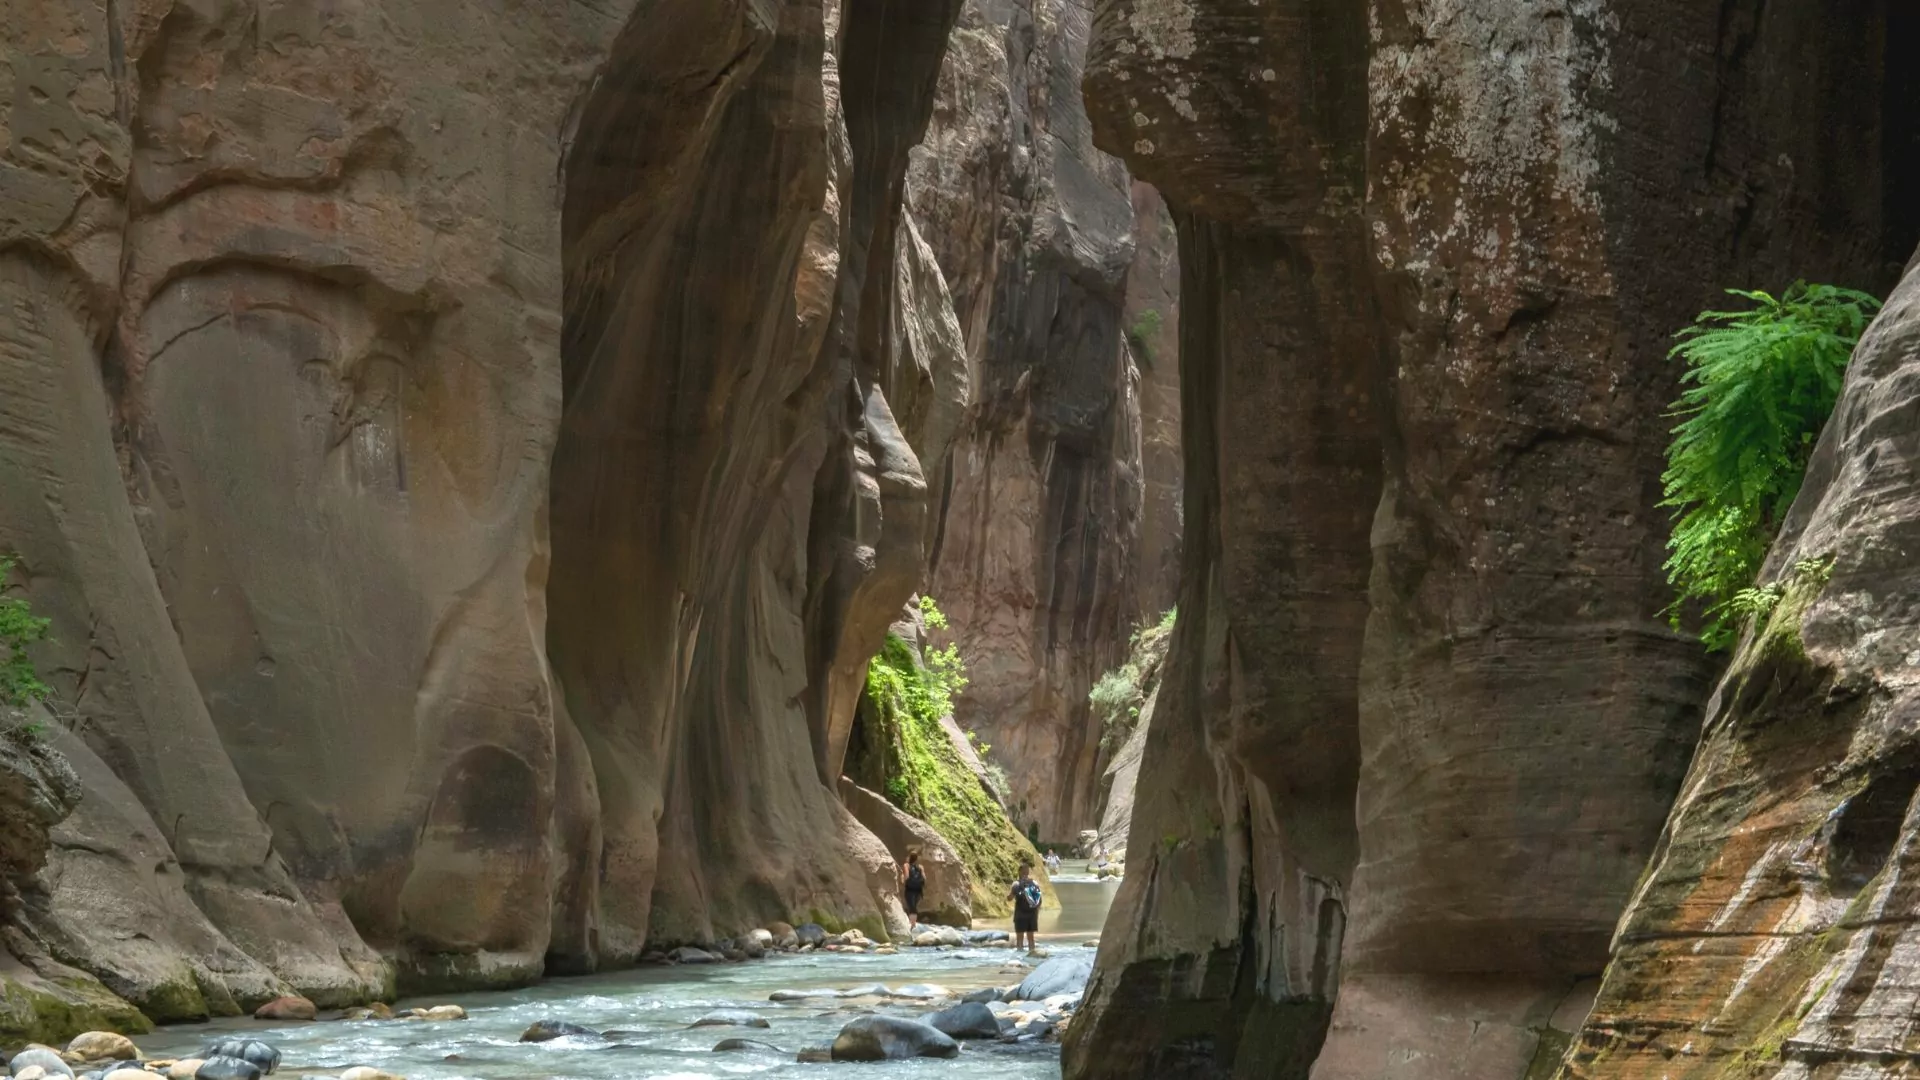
[(650, 1010)]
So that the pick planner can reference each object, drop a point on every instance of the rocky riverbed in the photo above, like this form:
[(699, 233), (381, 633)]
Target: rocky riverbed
[(973, 1009)]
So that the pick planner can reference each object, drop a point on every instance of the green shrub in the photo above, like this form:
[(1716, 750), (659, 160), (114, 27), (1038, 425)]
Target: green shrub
[(929, 778), (1142, 331), (1118, 696), (1759, 386), (19, 628)]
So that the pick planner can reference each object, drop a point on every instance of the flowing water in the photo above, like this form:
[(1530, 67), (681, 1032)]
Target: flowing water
[(651, 1009)]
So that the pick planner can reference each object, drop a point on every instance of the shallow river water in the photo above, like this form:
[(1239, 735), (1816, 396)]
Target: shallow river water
[(652, 1008)]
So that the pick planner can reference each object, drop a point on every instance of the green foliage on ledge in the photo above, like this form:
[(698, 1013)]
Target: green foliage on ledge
[(19, 628), (928, 778), (1760, 384), (1118, 696)]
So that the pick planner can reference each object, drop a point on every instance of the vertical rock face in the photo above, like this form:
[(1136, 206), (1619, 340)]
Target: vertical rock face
[(1049, 525), (1774, 930), (467, 458), (1421, 720)]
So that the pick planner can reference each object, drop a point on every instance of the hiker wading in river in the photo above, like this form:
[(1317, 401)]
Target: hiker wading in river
[(1025, 894), (913, 885)]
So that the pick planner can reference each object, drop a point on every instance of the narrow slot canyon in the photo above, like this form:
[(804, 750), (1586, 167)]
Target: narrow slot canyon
[(532, 534)]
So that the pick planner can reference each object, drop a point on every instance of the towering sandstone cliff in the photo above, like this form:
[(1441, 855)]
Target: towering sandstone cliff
[(468, 456), (1056, 527), (1421, 721)]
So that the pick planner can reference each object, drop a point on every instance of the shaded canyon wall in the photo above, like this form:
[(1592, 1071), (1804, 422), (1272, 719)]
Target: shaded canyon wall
[(1421, 719), (467, 460), (1059, 524)]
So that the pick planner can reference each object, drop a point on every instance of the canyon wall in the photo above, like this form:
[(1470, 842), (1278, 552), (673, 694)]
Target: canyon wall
[(468, 459), (1773, 936), (1056, 530), (1422, 718)]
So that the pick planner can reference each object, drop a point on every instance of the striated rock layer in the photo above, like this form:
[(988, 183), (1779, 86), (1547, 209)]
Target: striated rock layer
[(1774, 933), (1055, 533), (1421, 719), (468, 456)]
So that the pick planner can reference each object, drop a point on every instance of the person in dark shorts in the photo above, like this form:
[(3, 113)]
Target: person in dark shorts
[(913, 885), (1025, 894)]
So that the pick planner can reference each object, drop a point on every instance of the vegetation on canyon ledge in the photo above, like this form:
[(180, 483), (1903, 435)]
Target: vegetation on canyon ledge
[(927, 777), (1759, 386), (19, 628), (1118, 696)]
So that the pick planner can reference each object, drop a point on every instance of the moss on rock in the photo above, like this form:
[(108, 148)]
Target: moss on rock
[(53, 1010), (926, 776)]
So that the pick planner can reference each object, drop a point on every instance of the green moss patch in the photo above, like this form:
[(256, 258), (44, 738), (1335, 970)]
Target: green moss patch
[(926, 776)]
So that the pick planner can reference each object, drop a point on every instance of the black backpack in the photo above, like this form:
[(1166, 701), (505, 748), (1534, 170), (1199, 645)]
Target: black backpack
[(916, 879)]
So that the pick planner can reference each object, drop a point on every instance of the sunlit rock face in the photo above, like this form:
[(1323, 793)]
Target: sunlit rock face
[(1422, 721), (468, 457), (1055, 533)]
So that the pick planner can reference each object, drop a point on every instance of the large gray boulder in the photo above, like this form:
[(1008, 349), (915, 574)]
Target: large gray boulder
[(891, 1038), (1063, 974), (967, 1020)]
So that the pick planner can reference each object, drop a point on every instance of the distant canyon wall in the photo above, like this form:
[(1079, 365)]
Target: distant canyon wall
[(467, 460), (1059, 525), (1422, 719)]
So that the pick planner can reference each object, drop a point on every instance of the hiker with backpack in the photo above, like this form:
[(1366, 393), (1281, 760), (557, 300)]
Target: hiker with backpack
[(913, 884), (1025, 894)]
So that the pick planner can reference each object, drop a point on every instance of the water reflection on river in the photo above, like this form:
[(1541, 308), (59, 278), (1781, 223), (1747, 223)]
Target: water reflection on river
[(653, 1006)]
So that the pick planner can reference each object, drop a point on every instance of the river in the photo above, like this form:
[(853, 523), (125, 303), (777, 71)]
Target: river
[(652, 1007)]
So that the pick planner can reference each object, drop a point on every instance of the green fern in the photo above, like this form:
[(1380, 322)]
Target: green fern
[(19, 628), (1759, 386)]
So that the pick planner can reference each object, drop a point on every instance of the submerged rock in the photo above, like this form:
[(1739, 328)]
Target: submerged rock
[(221, 1067), (1063, 974), (253, 1051), (546, 1030), (731, 1018), (891, 1038), (967, 1020), (729, 1045)]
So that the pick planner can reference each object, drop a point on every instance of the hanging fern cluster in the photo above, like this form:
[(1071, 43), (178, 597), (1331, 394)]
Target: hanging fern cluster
[(1759, 386)]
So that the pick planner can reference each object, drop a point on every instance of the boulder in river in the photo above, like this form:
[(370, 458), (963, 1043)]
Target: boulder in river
[(259, 1054), (102, 1046), (687, 954), (439, 1012), (919, 992), (891, 1038), (967, 1020), (291, 1007), (1064, 974), (731, 1018), (730, 1045), (42, 1058), (982, 995), (223, 1067), (545, 1030)]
